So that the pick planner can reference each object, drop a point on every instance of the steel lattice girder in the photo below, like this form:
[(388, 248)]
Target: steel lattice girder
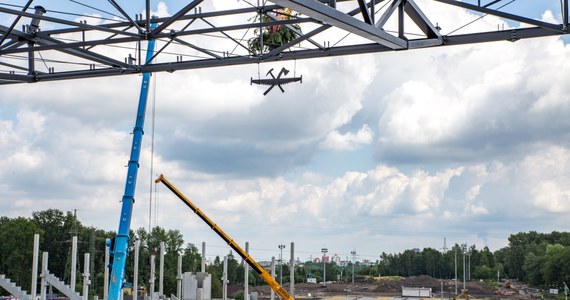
[(190, 38)]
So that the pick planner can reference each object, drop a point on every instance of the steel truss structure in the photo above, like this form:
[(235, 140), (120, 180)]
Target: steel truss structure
[(40, 45)]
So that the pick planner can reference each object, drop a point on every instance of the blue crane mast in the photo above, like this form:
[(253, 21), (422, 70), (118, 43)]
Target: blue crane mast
[(120, 246)]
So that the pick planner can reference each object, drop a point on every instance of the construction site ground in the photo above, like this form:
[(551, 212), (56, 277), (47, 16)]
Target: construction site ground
[(391, 287)]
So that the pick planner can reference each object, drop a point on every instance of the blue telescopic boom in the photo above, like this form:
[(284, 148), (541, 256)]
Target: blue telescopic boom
[(122, 240)]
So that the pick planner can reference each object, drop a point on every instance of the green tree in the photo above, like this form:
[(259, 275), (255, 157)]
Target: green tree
[(16, 249), (532, 267), (57, 227), (552, 267), (484, 272)]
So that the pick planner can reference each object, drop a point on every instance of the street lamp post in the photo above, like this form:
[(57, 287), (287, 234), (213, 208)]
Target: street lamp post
[(353, 261), (469, 266), (281, 247), (324, 250), (464, 249), (455, 252)]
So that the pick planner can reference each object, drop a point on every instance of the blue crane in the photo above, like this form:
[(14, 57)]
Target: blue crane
[(120, 245)]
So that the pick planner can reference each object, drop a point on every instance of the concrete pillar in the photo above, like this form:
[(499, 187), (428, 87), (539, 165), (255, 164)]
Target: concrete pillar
[(161, 271), (272, 275), (225, 279), (106, 274), (86, 280), (179, 279), (196, 285), (43, 288), (203, 265), (34, 290), (151, 280), (136, 271), (73, 279), (246, 275), (292, 271)]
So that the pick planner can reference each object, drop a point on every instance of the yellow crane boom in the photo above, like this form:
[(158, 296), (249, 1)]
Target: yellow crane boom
[(254, 265)]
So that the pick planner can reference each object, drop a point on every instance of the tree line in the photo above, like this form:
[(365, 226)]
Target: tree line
[(56, 230), (540, 259)]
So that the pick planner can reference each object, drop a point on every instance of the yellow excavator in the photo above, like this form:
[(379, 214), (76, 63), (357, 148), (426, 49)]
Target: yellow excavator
[(254, 265)]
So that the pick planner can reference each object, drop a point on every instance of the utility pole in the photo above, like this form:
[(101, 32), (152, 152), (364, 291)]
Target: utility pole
[(246, 275), (353, 252), (281, 247), (469, 267), (463, 246), (292, 271), (272, 275), (324, 250), (455, 252)]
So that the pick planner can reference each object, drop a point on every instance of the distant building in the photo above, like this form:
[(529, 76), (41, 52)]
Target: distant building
[(344, 263), (335, 259)]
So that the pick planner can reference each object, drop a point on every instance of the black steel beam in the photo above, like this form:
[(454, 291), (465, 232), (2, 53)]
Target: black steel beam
[(494, 36), (7, 33), (341, 20), (365, 14), (174, 18), (84, 54), (491, 3), (423, 23), (505, 15), (126, 15), (161, 20), (120, 40), (122, 33), (292, 55), (388, 13), (82, 26)]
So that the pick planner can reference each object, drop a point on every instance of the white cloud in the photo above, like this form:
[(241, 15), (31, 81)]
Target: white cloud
[(468, 106), (469, 139), (349, 140)]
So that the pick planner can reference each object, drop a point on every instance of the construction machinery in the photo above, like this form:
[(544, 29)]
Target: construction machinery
[(244, 255), (119, 246)]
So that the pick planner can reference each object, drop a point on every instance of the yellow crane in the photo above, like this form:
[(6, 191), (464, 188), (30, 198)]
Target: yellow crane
[(254, 265)]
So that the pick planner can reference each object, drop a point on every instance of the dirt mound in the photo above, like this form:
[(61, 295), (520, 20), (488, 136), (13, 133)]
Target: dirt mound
[(394, 285), (377, 286)]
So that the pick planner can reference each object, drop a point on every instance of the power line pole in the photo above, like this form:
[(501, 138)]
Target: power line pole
[(463, 248), (469, 267), (455, 252), (353, 252), (324, 250), (281, 247)]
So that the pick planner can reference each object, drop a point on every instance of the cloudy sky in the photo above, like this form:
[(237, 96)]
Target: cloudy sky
[(374, 153)]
